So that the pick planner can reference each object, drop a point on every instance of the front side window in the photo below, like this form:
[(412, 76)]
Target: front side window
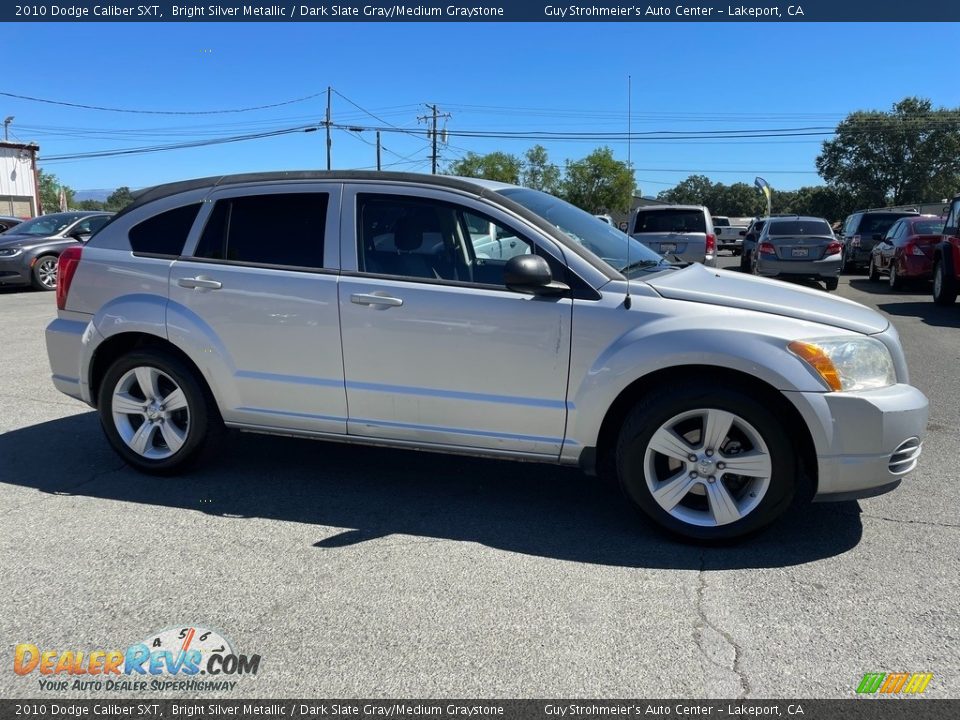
[(433, 240), (283, 229), (953, 220), (91, 225)]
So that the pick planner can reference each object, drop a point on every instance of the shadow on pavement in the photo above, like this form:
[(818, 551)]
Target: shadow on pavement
[(534, 509), (928, 312)]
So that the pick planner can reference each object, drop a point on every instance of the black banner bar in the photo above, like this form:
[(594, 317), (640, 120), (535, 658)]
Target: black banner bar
[(873, 708), (484, 11)]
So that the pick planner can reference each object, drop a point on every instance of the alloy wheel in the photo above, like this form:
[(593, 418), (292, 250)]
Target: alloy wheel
[(46, 270), (150, 412)]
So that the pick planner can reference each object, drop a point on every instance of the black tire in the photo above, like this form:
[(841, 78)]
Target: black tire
[(745, 261), (664, 405), (43, 274), (872, 271), (202, 425), (944, 284), (896, 282), (831, 284)]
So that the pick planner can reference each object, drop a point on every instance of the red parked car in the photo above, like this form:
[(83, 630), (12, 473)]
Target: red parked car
[(906, 251), (946, 259)]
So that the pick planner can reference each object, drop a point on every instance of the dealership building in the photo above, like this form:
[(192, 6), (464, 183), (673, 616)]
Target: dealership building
[(19, 180)]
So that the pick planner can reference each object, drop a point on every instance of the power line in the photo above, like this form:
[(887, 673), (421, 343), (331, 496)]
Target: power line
[(158, 112)]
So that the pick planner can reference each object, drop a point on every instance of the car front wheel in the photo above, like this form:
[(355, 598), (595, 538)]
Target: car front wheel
[(44, 272), (706, 463), (155, 412), (872, 271)]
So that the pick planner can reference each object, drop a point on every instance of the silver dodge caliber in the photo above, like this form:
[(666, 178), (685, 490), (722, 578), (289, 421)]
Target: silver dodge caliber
[(467, 316)]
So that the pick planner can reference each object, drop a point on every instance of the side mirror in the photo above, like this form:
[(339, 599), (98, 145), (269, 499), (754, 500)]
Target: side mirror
[(531, 274), (79, 236)]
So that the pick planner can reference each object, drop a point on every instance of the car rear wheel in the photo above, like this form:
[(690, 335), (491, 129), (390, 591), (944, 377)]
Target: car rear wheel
[(831, 284), (44, 273), (872, 271), (944, 285), (706, 463), (155, 412), (896, 282)]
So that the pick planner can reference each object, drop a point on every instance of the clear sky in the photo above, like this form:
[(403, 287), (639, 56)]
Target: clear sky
[(564, 77)]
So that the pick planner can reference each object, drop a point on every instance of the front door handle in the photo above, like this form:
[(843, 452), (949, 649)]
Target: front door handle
[(381, 300), (200, 282)]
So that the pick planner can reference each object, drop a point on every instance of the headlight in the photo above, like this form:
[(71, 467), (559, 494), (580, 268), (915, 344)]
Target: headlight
[(860, 363), (9, 252)]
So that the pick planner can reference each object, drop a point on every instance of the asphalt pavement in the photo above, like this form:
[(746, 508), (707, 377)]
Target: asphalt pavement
[(357, 572)]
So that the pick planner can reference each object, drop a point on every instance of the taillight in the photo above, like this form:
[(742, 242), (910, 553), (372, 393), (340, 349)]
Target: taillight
[(66, 269), (711, 243), (833, 248), (767, 247), (855, 241)]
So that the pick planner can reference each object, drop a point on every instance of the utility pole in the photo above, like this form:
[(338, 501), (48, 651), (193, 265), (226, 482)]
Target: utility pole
[(6, 128), (378, 149), (327, 123), (433, 116)]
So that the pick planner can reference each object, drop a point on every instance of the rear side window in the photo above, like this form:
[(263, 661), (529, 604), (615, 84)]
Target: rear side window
[(164, 234), (285, 229), (928, 227), (668, 221)]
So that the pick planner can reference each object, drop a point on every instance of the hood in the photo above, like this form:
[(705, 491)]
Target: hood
[(748, 292), (14, 239)]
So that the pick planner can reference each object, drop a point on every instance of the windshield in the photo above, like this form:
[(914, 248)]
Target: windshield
[(603, 240), (46, 225)]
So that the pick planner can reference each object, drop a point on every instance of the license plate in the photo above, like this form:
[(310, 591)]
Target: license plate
[(668, 247), (799, 252)]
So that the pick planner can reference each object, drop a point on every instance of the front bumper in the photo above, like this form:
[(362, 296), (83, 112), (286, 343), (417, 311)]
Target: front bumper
[(13, 271), (866, 442)]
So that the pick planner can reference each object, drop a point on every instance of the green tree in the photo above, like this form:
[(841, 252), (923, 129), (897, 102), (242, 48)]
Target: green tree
[(538, 172), (88, 205), (492, 166), (118, 199), (908, 155), (695, 190), (50, 192), (599, 183)]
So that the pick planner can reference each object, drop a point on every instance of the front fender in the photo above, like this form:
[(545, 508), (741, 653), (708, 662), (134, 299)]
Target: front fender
[(657, 346)]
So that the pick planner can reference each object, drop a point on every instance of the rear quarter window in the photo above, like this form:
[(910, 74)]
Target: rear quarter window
[(165, 233)]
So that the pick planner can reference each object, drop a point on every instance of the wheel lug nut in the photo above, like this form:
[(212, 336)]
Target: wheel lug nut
[(709, 453), (711, 479), (721, 466), (692, 458), (694, 475)]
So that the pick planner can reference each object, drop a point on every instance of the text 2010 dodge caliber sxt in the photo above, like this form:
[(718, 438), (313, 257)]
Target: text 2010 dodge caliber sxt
[(479, 318)]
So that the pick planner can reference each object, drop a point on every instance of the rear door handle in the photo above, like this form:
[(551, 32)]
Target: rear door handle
[(200, 282), (382, 300)]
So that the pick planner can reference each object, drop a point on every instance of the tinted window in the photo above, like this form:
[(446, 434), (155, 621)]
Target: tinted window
[(91, 225), (800, 227), (877, 224), (669, 221), (721, 221), (278, 229), (164, 234)]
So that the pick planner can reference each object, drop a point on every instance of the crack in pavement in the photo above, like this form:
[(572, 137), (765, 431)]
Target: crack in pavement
[(901, 521), (704, 622)]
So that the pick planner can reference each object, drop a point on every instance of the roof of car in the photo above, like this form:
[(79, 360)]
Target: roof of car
[(474, 186), (654, 208), (798, 217)]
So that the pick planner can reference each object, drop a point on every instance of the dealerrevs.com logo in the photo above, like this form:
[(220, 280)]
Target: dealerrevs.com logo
[(190, 659)]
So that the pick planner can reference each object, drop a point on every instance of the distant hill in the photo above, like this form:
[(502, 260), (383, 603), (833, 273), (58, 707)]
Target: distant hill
[(100, 195)]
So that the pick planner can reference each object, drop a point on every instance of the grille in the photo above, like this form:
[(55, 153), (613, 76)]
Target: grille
[(904, 458)]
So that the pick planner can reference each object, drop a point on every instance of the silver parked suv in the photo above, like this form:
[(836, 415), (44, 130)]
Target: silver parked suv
[(684, 232), (480, 318)]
